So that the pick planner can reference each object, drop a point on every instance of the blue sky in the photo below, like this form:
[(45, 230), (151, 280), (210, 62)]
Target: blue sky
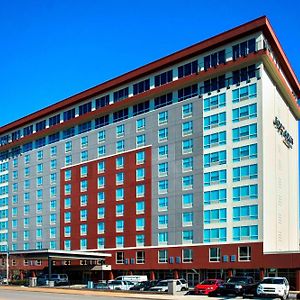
[(53, 49)]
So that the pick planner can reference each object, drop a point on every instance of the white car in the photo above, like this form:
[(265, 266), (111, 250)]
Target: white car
[(162, 286), (274, 286), (119, 285)]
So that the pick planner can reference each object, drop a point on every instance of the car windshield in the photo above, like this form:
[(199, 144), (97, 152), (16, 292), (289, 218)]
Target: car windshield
[(163, 283), (273, 281), (208, 282), (115, 282), (237, 280)]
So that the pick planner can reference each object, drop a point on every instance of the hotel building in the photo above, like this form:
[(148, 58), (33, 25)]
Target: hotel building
[(185, 167)]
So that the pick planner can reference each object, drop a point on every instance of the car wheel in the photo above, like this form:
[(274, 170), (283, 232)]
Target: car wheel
[(284, 297)]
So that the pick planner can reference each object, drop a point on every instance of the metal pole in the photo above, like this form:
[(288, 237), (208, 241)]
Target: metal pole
[(7, 265)]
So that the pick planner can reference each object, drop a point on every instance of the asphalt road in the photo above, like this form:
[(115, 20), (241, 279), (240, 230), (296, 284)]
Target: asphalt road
[(26, 295)]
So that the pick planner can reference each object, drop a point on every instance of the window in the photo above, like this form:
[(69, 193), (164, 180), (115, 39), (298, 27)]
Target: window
[(83, 229), (120, 162), (163, 78), (101, 150), (213, 84), (140, 224), (140, 124), (140, 190), (101, 212), (163, 100), (244, 152), (83, 200), (187, 200), (120, 259), (246, 192), (187, 236), (84, 127), (187, 164), (245, 233), (140, 157), (215, 158), (68, 189), (119, 178), (188, 69), (120, 194), (120, 115), (140, 174), (101, 166), (244, 48), (69, 114), (187, 146), (101, 121), (100, 227), (214, 254), (53, 164), (162, 134), (67, 203), (119, 210), (244, 253), (187, 182), (163, 204), (163, 186), (67, 245), (215, 196), (140, 207), (102, 101), (120, 146), (214, 59), (187, 92), (83, 215), (83, 186), (140, 255), (187, 255), (244, 93), (68, 160), (245, 172), (68, 133), (39, 155), (53, 178), (187, 219), (141, 108), (67, 231), (163, 238), (67, 217), (163, 151), (140, 241), (248, 212), (162, 221), (83, 244), (215, 235), (187, 128), (141, 86), (214, 102), (162, 117), (120, 130), (83, 171), (215, 121), (28, 130), (101, 136), (120, 94), (140, 140), (68, 175), (119, 225), (187, 110), (120, 241), (244, 112), (101, 197), (244, 133), (101, 182), (215, 216), (68, 146), (216, 177), (163, 169), (162, 256), (84, 142)]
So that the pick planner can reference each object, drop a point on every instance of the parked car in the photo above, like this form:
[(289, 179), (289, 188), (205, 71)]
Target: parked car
[(236, 285), (133, 278), (101, 286), (120, 285), (162, 286), (59, 279), (208, 286), (144, 285), (274, 287)]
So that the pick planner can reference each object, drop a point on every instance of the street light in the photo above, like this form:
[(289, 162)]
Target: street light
[(7, 265)]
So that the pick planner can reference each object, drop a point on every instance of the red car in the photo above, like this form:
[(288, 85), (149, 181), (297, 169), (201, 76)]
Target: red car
[(208, 286)]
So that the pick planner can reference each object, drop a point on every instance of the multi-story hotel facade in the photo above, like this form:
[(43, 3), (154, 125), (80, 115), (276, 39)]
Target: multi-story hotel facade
[(185, 167)]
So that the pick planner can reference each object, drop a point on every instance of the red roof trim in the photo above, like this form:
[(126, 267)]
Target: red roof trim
[(261, 23)]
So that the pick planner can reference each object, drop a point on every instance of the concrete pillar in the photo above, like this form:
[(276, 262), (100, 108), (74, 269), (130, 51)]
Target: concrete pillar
[(297, 280), (175, 274), (152, 275)]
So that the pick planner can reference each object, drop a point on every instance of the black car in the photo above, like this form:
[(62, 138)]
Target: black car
[(144, 285), (236, 286)]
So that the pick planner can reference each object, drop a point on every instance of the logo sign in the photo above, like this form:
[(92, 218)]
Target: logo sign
[(287, 139)]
